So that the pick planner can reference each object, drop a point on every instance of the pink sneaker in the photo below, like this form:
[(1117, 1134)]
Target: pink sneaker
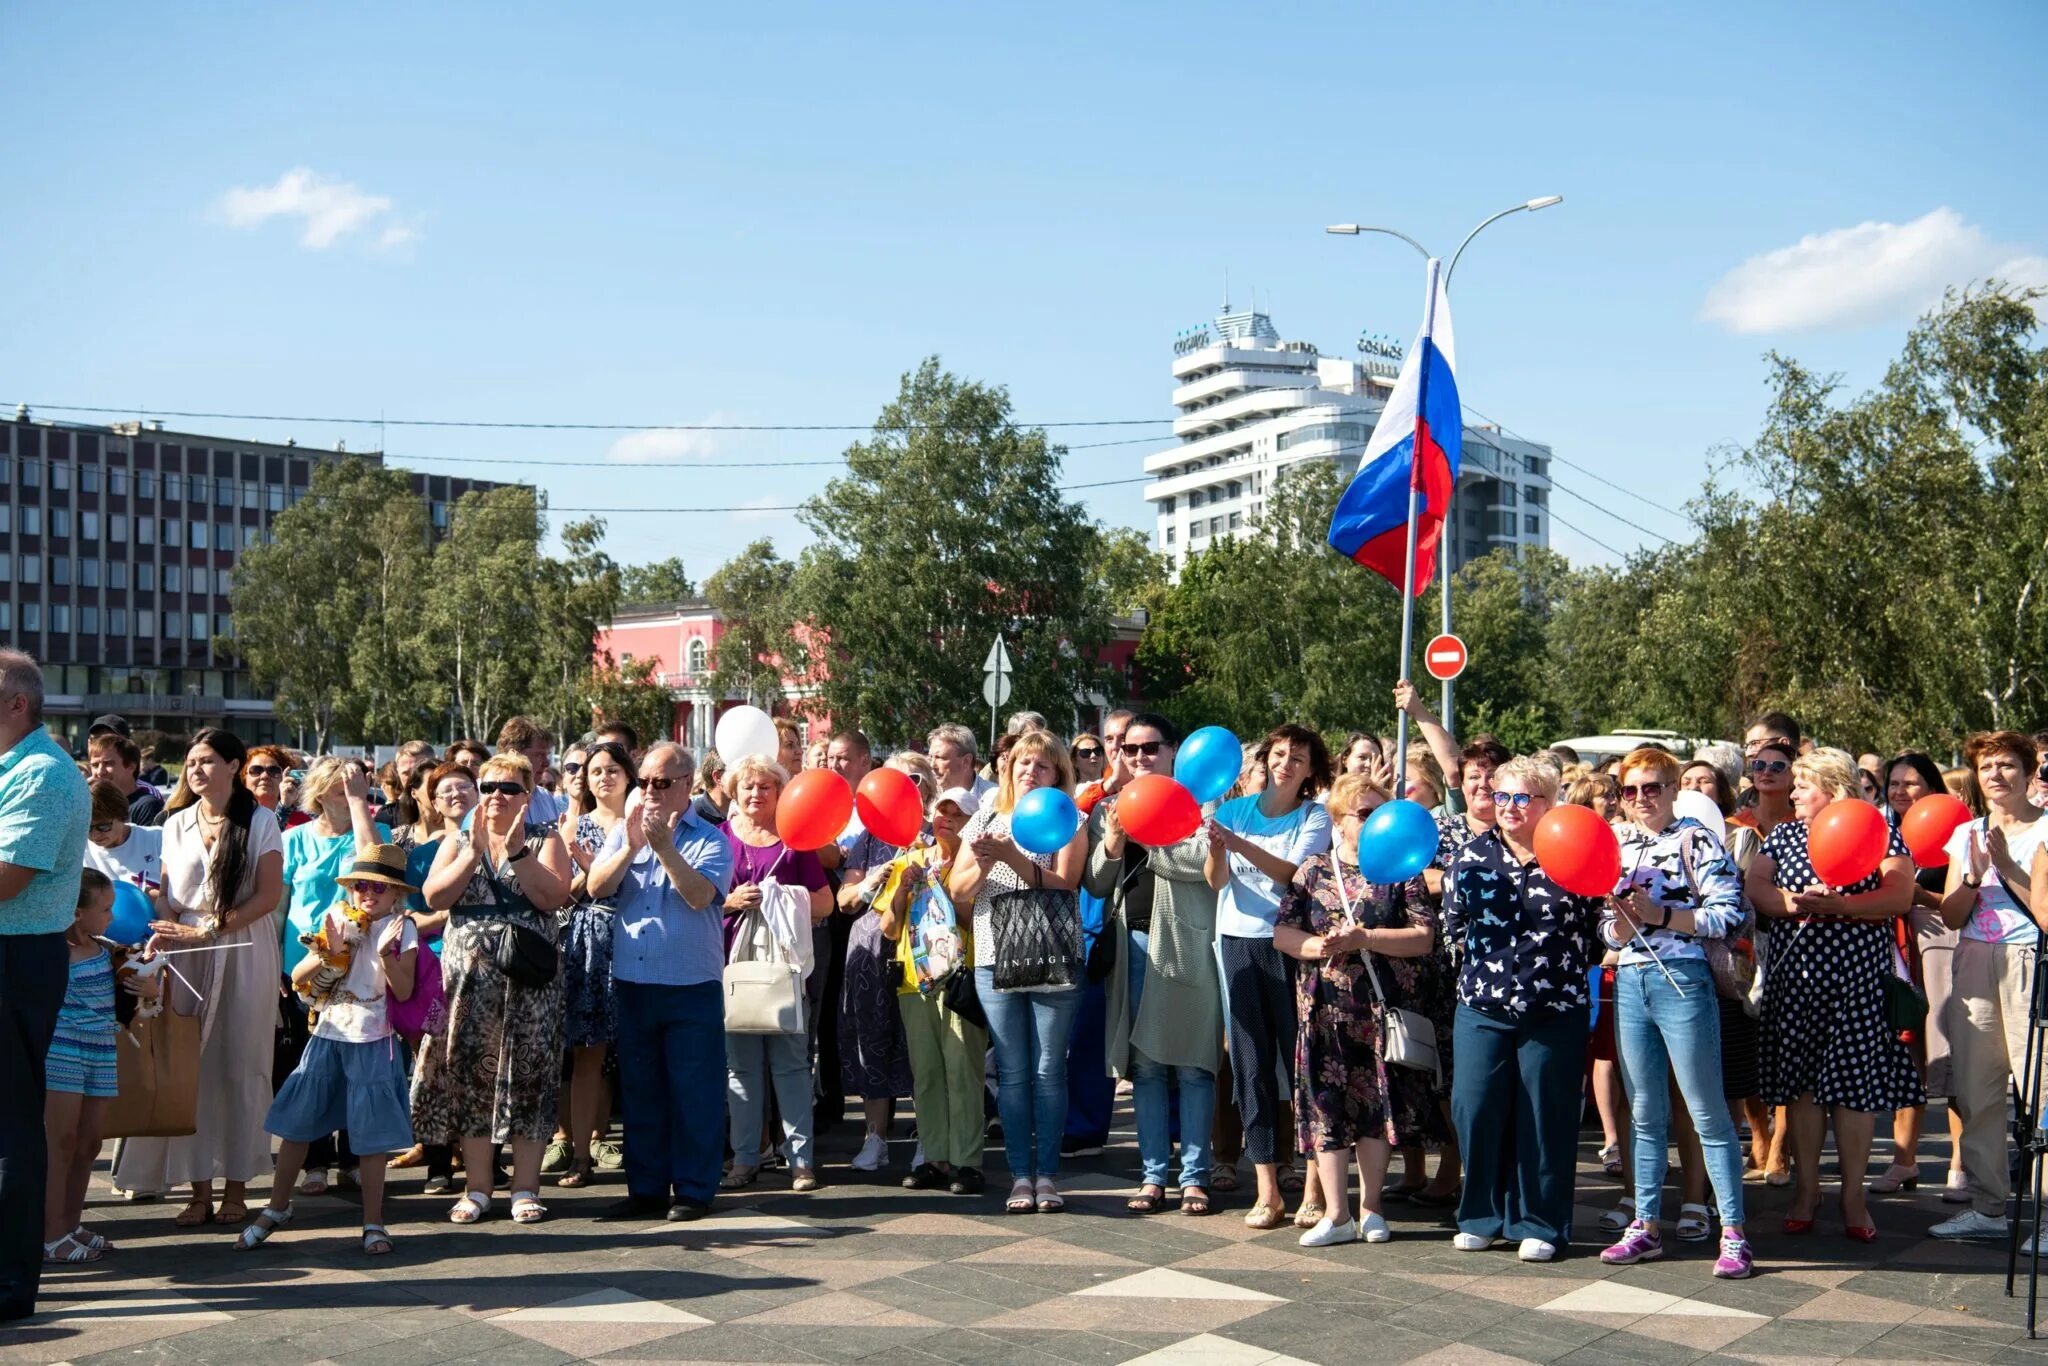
[(1639, 1243), (1734, 1263)]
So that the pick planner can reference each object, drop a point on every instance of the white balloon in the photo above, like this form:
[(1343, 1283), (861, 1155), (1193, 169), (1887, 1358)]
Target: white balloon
[(1701, 808), (744, 732)]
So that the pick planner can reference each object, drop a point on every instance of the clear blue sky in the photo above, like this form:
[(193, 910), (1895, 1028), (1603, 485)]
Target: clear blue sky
[(658, 213)]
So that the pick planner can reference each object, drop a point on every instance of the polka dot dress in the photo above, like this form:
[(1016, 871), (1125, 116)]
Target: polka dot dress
[(1824, 1030)]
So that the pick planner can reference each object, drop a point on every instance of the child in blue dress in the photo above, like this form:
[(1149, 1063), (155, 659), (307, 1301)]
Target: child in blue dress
[(352, 1075)]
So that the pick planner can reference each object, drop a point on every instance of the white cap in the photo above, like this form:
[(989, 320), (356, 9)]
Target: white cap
[(962, 797)]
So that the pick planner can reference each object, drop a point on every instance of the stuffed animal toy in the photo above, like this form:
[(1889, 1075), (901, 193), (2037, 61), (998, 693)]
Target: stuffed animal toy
[(350, 925)]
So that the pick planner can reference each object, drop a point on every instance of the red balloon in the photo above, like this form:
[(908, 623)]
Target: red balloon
[(1927, 826), (813, 810), (1578, 850), (1158, 811), (1846, 842), (890, 807)]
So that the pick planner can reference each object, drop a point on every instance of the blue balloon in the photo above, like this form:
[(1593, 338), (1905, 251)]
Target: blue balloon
[(1397, 843), (1044, 820), (132, 914), (1209, 763)]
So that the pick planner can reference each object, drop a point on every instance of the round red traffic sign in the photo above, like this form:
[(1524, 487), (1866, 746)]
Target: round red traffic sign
[(1444, 657)]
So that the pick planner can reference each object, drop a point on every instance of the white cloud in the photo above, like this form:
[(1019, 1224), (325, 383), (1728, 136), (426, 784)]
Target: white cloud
[(664, 447), (330, 209), (1873, 272)]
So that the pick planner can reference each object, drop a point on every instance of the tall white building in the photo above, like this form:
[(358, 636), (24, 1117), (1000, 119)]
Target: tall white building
[(1251, 404)]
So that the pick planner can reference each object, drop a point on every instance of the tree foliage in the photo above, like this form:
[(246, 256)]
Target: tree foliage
[(642, 585), (750, 592)]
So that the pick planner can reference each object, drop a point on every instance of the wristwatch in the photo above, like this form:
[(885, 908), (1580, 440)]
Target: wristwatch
[(524, 850), (1973, 880)]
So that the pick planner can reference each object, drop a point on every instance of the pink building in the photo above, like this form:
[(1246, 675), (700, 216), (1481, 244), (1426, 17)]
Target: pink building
[(680, 637)]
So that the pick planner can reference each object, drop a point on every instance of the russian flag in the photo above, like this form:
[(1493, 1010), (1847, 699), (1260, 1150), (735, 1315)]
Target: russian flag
[(1414, 446)]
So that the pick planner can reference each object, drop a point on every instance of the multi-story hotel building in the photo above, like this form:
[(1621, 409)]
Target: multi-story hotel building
[(118, 547), (1250, 405)]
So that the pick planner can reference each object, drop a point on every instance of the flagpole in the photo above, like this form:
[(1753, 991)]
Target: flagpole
[(1414, 517)]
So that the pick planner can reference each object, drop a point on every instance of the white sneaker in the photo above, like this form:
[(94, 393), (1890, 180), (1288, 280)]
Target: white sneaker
[(1536, 1250), (1473, 1242), (873, 1152), (1970, 1224), (1326, 1233), (1373, 1229)]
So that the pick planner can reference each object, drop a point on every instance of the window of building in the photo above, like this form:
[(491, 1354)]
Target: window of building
[(88, 620), (6, 616), (251, 535), (60, 613), (6, 568), (1235, 488), (1507, 495), (88, 573), (1236, 520), (28, 520), (1535, 463), (117, 481), (174, 487), (31, 617), (438, 512), (31, 569), (198, 536), (31, 473), (88, 478), (222, 626), (223, 536), (174, 579), (198, 579), (172, 531), (199, 621), (145, 531), (699, 657), (117, 529), (1169, 535), (223, 493), (174, 625), (60, 475), (117, 574), (1166, 503), (145, 624), (250, 494), (223, 581), (60, 521), (274, 496), (1195, 498), (145, 483), (89, 526), (145, 577), (1532, 524), (60, 570), (117, 621), (1215, 526)]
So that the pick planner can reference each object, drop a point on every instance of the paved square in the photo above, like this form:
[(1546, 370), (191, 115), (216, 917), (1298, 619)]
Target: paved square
[(866, 1271)]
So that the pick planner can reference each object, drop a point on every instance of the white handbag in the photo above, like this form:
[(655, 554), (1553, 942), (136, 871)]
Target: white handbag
[(1406, 1039), (764, 985)]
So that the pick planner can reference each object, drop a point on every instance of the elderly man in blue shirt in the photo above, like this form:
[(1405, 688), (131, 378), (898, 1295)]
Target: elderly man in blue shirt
[(665, 873), (44, 813)]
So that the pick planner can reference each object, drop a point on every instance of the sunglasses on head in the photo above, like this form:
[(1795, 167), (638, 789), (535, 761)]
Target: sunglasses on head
[(265, 770), (660, 784), (1647, 791), (1131, 749), (502, 789), (1768, 765), (1518, 800)]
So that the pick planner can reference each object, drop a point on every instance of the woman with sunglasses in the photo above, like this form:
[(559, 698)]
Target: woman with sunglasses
[(494, 1075), (1522, 1022), (1090, 759), (1680, 888), (597, 780), (1827, 1045), (1928, 946), (268, 776), (1770, 779)]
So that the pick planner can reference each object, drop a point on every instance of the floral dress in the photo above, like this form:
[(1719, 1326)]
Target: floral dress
[(874, 1057), (495, 1070), (589, 1009), (1343, 1092), (1824, 1027)]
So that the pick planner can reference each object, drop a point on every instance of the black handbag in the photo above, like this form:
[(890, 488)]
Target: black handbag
[(525, 955), (1905, 1008), (963, 999), (1037, 933)]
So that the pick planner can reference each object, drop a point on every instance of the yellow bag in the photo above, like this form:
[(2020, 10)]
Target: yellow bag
[(159, 1068)]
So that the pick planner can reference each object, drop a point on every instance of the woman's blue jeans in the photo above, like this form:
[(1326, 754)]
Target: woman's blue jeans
[(1151, 1098), (1660, 1035), (1029, 1030)]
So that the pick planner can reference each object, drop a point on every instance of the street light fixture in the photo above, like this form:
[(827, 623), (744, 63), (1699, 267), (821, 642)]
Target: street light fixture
[(1358, 229)]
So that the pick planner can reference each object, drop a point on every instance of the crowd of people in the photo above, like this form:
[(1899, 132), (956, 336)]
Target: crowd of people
[(473, 959)]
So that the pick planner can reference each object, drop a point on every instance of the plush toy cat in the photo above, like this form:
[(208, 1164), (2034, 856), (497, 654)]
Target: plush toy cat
[(337, 951)]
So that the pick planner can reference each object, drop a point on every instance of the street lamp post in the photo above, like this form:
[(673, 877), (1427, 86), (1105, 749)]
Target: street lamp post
[(1450, 528)]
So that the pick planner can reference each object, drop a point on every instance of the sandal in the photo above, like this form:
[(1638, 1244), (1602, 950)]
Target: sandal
[(1145, 1201), (1897, 1177), (1049, 1199), (473, 1206), (576, 1178), (1194, 1200), (313, 1183), (376, 1242), (739, 1178), (232, 1212), (803, 1180), (85, 1237), (1621, 1216), (268, 1221), (1695, 1223), (415, 1156), (527, 1208), (80, 1252), (1020, 1201), (1308, 1216), (1263, 1216), (1290, 1181), (1223, 1179), (1403, 1190), (1610, 1159), (193, 1215)]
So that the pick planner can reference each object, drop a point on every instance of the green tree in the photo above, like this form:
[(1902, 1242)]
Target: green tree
[(644, 584), (947, 532), (483, 626), (750, 592), (1126, 571), (310, 605), (575, 595), (629, 692), (388, 658)]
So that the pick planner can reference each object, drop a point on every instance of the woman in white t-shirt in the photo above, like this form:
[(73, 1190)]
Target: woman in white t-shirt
[(1989, 887), (124, 851), (1256, 843)]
